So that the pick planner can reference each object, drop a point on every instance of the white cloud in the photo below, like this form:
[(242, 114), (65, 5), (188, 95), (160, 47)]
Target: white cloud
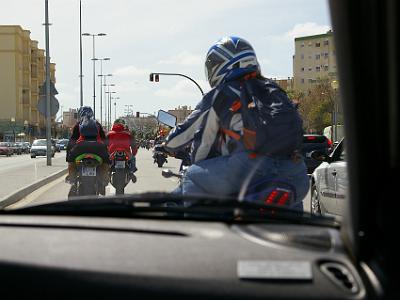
[(131, 71), (184, 58), (183, 89), (305, 29)]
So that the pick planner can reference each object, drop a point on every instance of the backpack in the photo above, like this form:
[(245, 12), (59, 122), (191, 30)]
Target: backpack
[(271, 122), (88, 128)]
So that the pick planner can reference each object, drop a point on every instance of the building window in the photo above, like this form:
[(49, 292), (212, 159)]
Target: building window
[(302, 56), (317, 44), (317, 56), (317, 69), (326, 43), (326, 68), (309, 69), (310, 80), (302, 80), (302, 69), (326, 54), (302, 45)]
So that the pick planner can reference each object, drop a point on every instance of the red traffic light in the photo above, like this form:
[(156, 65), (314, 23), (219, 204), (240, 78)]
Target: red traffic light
[(157, 78)]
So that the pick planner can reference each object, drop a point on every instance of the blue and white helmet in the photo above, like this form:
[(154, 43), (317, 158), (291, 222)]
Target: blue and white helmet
[(231, 57), (85, 112)]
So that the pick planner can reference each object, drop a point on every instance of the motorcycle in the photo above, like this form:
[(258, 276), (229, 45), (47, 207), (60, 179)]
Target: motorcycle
[(120, 171), (160, 157), (87, 179), (276, 192)]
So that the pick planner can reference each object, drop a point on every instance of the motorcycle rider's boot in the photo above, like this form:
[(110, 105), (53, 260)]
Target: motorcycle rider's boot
[(133, 177), (72, 191), (71, 177)]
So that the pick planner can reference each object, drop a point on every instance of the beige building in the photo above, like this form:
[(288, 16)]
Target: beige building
[(22, 72), (314, 59), (286, 84), (181, 113), (70, 118)]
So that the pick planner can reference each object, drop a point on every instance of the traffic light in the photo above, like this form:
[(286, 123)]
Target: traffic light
[(151, 77), (157, 78), (137, 114)]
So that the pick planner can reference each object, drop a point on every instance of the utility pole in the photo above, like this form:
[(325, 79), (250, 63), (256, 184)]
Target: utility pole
[(80, 51), (48, 116)]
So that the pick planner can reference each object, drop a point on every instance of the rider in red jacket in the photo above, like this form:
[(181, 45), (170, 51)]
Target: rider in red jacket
[(120, 139)]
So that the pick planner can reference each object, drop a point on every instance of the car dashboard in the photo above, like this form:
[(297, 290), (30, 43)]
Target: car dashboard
[(79, 257)]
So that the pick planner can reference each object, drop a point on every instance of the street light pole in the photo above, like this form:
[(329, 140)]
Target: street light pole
[(115, 107), (94, 68), (101, 87), (105, 97), (80, 51), (109, 105)]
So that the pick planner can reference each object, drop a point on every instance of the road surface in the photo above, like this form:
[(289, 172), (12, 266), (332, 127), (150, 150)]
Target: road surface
[(149, 179)]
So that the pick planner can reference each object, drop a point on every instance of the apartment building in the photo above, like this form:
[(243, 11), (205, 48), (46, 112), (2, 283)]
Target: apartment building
[(181, 112), (70, 117), (22, 72), (314, 59)]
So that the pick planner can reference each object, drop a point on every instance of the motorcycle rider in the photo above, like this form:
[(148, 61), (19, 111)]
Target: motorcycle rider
[(159, 139), (220, 154), (87, 136), (120, 138)]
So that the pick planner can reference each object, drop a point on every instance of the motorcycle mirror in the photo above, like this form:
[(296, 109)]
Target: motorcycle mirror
[(166, 118)]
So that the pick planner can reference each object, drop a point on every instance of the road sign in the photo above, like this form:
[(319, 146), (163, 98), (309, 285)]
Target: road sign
[(54, 105), (53, 91)]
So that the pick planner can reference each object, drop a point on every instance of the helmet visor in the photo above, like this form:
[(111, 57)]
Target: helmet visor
[(212, 65)]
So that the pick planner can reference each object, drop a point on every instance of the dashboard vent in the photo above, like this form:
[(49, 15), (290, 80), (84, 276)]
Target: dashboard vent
[(340, 275)]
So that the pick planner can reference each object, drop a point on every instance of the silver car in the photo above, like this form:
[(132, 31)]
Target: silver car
[(39, 148), (329, 183)]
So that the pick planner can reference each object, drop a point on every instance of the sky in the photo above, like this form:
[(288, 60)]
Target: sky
[(161, 36)]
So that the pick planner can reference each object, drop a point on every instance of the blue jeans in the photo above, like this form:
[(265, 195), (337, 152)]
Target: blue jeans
[(226, 175)]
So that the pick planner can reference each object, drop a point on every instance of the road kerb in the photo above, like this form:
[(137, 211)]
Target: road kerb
[(25, 191)]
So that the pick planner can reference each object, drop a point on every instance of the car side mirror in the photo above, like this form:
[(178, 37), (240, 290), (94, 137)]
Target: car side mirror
[(320, 156)]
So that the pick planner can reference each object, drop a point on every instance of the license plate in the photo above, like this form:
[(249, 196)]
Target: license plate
[(120, 164), (88, 171)]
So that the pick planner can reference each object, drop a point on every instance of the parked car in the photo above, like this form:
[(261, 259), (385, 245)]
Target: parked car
[(312, 142), (39, 148), (329, 182), (28, 146), (56, 145), (17, 148), (24, 147), (6, 149), (63, 144)]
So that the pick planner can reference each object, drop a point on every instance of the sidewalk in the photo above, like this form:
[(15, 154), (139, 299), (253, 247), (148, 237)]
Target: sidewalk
[(26, 171)]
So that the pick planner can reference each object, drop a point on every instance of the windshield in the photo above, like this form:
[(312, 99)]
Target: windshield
[(39, 143), (149, 107)]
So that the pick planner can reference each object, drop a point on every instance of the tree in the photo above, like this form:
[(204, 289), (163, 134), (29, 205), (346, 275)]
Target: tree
[(317, 106)]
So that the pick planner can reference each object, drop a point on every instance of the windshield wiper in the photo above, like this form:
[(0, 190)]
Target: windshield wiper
[(167, 205)]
